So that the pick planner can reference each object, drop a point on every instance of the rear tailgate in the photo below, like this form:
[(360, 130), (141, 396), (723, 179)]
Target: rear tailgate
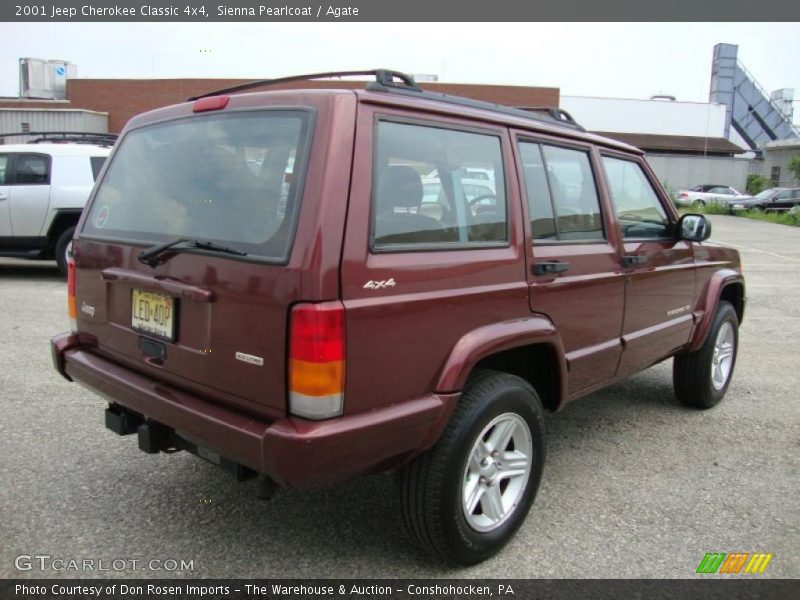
[(208, 321)]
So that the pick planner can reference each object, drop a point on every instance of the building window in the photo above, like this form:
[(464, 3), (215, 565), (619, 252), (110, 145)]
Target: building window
[(775, 176)]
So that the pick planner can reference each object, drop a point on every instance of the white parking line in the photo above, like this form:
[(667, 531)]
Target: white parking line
[(768, 266), (739, 247)]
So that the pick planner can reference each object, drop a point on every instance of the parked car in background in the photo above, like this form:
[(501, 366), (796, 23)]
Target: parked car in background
[(772, 199), (43, 188), (479, 195), (700, 195)]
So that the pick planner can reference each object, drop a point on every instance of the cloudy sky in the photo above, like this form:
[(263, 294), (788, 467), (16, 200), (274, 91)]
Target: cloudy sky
[(633, 60)]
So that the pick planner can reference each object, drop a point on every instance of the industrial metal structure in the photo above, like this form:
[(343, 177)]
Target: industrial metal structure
[(754, 114), (24, 121)]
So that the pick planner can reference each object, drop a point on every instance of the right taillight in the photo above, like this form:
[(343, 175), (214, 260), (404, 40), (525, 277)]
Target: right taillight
[(72, 308), (683, 195), (316, 360)]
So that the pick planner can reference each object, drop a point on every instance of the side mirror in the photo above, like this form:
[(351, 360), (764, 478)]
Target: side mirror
[(694, 228)]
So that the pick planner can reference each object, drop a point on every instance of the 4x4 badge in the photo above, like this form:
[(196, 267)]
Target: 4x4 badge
[(377, 285)]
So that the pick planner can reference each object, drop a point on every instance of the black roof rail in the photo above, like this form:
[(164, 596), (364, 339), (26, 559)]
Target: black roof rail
[(384, 78), (386, 81), (60, 137), (553, 111), (539, 115)]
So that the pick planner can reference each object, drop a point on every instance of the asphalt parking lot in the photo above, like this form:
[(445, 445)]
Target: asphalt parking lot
[(635, 485)]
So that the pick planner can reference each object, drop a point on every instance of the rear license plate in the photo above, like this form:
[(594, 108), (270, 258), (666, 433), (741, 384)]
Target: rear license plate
[(153, 313)]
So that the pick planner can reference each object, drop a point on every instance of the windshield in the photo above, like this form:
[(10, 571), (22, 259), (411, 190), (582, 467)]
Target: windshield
[(228, 178), (765, 194)]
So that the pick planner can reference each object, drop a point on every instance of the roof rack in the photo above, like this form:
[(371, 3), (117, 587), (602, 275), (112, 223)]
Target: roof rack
[(386, 81), (384, 77), (62, 137), (553, 111)]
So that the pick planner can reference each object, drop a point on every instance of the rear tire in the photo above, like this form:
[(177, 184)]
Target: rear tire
[(464, 499), (701, 378), (61, 249)]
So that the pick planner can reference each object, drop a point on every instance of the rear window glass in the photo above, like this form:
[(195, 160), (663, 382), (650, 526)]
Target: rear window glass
[(228, 178), (97, 164)]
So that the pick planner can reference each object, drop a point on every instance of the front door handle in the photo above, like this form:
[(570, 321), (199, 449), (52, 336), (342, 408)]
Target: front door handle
[(632, 261), (3, 197), (550, 267)]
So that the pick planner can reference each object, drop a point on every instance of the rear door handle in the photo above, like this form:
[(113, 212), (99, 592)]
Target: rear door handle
[(3, 197), (632, 261), (550, 267)]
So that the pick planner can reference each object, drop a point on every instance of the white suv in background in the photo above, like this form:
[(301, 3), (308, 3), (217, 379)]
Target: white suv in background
[(43, 189)]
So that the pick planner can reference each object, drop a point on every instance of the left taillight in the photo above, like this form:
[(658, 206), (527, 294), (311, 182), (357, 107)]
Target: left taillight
[(316, 360), (72, 307)]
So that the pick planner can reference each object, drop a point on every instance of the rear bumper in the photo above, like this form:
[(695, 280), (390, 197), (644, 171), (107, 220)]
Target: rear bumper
[(292, 451)]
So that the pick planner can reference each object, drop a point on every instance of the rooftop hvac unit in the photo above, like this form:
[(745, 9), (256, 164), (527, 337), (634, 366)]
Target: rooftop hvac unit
[(45, 79), (784, 99)]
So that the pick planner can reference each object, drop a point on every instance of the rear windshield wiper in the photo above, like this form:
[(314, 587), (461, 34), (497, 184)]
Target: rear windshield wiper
[(156, 255)]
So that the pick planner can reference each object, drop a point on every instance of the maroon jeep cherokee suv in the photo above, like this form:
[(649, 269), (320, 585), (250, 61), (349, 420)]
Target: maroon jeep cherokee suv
[(305, 286)]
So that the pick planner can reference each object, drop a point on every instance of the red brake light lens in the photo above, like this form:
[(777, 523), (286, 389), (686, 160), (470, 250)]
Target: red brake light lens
[(317, 332), (210, 103)]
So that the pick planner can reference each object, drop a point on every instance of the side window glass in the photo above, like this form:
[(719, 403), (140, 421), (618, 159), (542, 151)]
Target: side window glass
[(3, 169), (638, 208), (30, 169), (575, 201), (540, 205), (97, 164), (434, 186)]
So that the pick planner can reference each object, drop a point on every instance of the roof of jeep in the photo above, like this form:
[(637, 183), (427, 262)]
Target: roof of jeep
[(520, 121), (426, 102)]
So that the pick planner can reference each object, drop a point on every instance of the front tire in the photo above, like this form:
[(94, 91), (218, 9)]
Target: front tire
[(464, 499), (62, 244), (701, 378)]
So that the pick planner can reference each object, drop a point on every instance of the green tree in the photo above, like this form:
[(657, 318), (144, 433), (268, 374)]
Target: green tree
[(756, 183), (794, 166)]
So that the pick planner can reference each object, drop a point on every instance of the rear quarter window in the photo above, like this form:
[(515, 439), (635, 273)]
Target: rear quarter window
[(97, 163), (437, 188)]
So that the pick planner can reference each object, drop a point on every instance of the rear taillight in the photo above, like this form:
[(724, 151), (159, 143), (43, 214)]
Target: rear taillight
[(683, 195), (72, 308), (316, 360)]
